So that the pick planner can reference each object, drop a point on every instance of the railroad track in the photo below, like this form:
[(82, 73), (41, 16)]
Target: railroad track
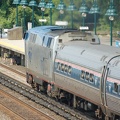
[(10, 113), (13, 70), (39, 98), (21, 109)]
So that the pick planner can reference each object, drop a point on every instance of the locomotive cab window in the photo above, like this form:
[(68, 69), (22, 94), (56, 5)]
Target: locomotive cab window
[(26, 35), (115, 87), (44, 41), (49, 42), (33, 37), (82, 74)]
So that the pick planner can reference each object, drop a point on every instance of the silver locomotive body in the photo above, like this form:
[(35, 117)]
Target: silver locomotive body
[(64, 62)]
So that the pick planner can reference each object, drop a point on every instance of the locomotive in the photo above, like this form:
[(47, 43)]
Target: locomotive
[(73, 66)]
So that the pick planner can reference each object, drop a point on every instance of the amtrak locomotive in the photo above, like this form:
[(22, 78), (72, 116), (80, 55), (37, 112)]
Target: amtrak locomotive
[(72, 65)]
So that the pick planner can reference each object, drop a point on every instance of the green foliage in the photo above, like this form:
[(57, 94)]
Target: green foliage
[(8, 14)]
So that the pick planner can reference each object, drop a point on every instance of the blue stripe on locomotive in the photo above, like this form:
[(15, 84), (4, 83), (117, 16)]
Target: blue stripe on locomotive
[(75, 74)]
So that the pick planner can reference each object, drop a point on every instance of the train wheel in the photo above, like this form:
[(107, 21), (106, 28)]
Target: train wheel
[(37, 86), (107, 118), (29, 79), (33, 85), (44, 87)]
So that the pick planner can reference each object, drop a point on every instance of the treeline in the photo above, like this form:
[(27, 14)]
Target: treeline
[(8, 14)]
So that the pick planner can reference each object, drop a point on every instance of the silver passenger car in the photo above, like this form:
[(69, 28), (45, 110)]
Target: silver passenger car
[(73, 65)]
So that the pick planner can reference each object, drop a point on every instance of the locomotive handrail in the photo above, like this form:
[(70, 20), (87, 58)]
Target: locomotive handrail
[(54, 65), (104, 77), (101, 81)]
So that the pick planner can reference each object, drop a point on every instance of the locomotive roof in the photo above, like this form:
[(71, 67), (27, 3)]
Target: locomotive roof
[(60, 32), (65, 34), (55, 31), (50, 30), (93, 56), (44, 29), (70, 34)]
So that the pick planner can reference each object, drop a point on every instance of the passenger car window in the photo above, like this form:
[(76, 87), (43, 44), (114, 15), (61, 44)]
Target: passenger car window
[(62, 67), (82, 74), (115, 87), (87, 76), (58, 66), (69, 70), (91, 77), (119, 89), (66, 68)]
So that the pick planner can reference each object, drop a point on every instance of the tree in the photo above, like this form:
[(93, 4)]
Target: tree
[(8, 14)]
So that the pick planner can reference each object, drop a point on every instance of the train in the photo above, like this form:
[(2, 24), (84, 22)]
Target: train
[(72, 65)]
